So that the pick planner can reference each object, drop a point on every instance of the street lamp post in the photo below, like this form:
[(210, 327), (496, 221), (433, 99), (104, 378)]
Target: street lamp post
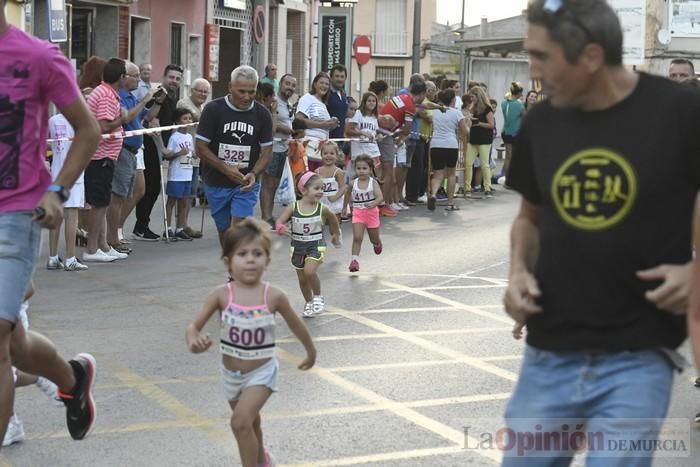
[(462, 74)]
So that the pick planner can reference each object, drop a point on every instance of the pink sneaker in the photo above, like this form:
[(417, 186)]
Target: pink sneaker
[(378, 249), (354, 265), (269, 460)]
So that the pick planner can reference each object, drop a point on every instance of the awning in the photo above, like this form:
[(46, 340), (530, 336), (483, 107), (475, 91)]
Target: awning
[(496, 45)]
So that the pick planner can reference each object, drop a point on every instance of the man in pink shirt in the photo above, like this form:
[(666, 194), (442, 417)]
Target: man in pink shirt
[(32, 74), (105, 105)]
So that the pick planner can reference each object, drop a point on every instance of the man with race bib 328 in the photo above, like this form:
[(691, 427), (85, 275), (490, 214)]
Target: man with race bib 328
[(234, 143)]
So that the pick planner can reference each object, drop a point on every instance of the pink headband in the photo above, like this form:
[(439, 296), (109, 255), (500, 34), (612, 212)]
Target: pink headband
[(304, 180)]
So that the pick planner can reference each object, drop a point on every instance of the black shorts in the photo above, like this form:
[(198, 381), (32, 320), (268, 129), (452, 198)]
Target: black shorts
[(443, 157), (98, 183), (507, 139)]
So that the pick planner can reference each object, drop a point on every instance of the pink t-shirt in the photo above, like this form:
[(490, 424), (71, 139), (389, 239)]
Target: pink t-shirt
[(105, 105), (33, 73)]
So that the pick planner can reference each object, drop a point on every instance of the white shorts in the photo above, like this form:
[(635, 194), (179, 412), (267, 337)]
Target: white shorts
[(236, 382), (140, 164), (77, 197)]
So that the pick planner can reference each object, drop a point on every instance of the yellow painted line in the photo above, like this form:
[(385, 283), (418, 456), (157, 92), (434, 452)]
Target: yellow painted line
[(458, 400), (4, 462), (405, 310), (386, 456), (502, 358), (387, 366), (396, 408), (448, 287), (168, 402), (429, 345), (438, 332), (447, 301)]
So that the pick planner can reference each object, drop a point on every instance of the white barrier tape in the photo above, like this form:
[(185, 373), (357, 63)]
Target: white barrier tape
[(128, 134)]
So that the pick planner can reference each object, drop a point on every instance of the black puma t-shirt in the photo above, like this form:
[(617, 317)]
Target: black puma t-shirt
[(234, 136), (615, 191)]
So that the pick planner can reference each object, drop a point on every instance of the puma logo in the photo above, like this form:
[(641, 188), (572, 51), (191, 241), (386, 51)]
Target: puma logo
[(239, 138)]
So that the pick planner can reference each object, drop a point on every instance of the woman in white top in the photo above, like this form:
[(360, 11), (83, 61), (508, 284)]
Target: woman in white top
[(444, 147), (312, 112)]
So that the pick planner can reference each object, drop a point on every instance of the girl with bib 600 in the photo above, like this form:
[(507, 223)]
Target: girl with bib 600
[(308, 216), (247, 341), (366, 195)]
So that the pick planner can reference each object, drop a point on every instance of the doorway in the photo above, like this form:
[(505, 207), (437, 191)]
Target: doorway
[(81, 35), (229, 58)]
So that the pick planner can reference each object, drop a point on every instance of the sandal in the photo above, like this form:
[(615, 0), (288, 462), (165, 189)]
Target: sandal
[(452, 207)]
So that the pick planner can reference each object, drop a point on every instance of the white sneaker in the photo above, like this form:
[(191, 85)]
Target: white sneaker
[(15, 432), (98, 257), (72, 264), (396, 207), (402, 206), (54, 263), (308, 310), (115, 254), (423, 199), (50, 389), (318, 304)]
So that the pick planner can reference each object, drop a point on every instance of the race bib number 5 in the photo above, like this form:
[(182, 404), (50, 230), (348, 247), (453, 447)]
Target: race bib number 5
[(234, 154)]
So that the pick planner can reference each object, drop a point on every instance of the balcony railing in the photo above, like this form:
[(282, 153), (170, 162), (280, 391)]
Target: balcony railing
[(393, 44)]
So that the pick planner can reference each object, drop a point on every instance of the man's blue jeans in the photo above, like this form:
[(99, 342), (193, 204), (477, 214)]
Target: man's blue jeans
[(601, 389)]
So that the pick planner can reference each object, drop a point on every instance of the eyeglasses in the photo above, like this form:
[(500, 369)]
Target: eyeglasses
[(137, 75), (202, 91), (558, 11)]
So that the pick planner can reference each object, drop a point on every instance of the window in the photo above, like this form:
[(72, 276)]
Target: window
[(390, 37), (140, 43), (176, 33), (393, 75)]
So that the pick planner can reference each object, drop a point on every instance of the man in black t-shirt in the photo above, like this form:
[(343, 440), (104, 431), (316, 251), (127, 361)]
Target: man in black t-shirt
[(166, 102), (234, 143), (601, 260)]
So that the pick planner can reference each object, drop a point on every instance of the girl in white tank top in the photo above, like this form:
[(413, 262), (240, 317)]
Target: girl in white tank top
[(333, 178), (246, 310)]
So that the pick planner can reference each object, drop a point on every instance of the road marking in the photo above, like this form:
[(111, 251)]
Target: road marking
[(386, 366), (429, 345), (396, 408), (448, 287), (168, 402), (436, 332), (4, 462), (502, 358), (385, 456), (447, 301), (459, 400)]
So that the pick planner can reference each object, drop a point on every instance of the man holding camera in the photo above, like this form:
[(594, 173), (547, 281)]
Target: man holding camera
[(165, 103)]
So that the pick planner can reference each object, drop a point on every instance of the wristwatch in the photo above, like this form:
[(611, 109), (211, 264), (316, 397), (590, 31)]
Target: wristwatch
[(62, 192)]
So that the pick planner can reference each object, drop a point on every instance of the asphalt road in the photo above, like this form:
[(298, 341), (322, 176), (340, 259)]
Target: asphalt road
[(414, 348)]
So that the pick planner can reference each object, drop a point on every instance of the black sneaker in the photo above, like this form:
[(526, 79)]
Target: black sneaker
[(697, 417), (488, 194), (697, 382), (182, 235), (80, 406), (170, 236), (146, 235), (431, 203), (271, 221)]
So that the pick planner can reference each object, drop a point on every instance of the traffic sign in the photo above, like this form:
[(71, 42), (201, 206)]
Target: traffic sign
[(363, 50), (259, 24)]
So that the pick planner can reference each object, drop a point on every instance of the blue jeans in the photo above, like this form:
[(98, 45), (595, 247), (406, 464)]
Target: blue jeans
[(20, 239), (598, 389)]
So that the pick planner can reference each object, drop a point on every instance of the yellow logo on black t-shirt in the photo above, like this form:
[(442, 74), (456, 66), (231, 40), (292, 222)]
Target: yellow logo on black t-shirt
[(594, 189)]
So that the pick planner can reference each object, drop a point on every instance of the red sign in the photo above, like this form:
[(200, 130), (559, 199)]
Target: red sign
[(211, 52), (363, 50), (259, 24)]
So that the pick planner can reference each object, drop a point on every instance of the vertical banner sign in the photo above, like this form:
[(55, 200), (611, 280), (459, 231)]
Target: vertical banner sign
[(633, 17), (211, 52), (335, 34), (58, 27)]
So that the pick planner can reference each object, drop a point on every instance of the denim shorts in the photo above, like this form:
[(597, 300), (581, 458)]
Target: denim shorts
[(178, 190), (602, 390), (236, 382), (227, 203), (124, 173), (20, 239), (276, 165)]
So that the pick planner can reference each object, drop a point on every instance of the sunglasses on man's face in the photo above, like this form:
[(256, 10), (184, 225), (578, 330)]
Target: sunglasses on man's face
[(558, 11)]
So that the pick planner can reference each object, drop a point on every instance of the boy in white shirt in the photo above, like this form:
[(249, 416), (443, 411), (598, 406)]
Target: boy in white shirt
[(59, 128), (179, 153)]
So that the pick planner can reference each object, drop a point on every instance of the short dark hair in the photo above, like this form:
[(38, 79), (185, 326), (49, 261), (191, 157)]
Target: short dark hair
[(378, 86), (418, 88), (285, 76), (172, 67), (264, 90), (446, 96), (339, 67), (577, 23), (114, 69), (683, 61), (247, 231), (179, 112)]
